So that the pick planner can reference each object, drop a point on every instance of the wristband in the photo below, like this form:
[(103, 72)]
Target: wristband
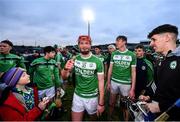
[(65, 69), (101, 105), (39, 108)]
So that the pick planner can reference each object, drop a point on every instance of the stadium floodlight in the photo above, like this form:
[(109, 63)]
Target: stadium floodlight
[(88, 17)]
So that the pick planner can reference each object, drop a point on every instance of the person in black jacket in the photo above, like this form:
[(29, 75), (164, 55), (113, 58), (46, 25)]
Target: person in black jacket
[(144, 73), (163, 40)]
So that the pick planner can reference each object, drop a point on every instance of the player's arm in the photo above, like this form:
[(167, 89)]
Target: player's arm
[(133, 77), (133, 82), (100, 107), (101, 88), (65, 72)]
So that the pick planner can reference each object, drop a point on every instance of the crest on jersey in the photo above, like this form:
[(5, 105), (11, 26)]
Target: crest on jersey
[(173, 64), (85, 65), (143, 68), (11, 62)]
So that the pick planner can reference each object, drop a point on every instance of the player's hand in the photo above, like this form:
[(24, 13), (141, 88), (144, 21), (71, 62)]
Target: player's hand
[(153, 107), (131, 94), (69, 65), (43, 103), (108, 86), (100, 110), (144, 98)]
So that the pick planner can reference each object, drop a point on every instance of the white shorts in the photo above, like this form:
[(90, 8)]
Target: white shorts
[(123, 89), (50, 93), (80, 104)]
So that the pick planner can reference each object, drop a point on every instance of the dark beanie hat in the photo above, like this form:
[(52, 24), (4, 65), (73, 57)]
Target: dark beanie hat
[(163, 29), (12, 76)]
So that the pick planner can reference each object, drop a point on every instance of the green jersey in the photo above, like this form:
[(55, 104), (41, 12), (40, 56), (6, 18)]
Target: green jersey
[(8, 61), (122, 63), (45, 73), (86, 71), (150, 72), (62, 59), (102, 58), (59, 59)]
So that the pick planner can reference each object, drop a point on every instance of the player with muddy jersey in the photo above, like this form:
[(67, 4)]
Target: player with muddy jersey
[(89, 79)]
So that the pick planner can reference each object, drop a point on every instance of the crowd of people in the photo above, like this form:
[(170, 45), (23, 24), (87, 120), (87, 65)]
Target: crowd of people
[(29, 86)]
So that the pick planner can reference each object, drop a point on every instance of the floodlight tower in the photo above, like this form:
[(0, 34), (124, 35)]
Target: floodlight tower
[(88, 17)]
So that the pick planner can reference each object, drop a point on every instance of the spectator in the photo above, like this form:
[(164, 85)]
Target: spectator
[(18, 104), (144, 73)]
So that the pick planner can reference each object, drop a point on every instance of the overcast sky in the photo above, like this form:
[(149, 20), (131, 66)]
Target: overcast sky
[(49, 22)]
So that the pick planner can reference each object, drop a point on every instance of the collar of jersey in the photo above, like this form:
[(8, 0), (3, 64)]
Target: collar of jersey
[(5, 54), (46, 59), (86, 57), (123, 51), (98, 55)]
